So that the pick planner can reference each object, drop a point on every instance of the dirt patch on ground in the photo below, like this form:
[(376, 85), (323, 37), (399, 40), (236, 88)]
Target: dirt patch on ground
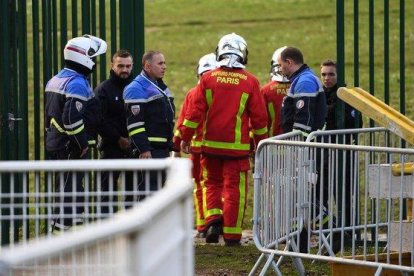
[(247, 238)]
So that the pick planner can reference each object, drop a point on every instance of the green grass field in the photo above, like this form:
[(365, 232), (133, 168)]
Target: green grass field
[(186, 30)]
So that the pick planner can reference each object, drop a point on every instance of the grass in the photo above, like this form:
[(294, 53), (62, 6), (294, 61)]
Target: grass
[(240, 260)]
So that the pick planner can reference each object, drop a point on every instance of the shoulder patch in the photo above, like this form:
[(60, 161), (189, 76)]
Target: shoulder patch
[(300, 104), (79, 106), (135, 109)]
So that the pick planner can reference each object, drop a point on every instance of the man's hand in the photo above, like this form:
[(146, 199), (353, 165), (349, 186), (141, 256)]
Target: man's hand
[(145, 155), (185, 147), (123, 143)]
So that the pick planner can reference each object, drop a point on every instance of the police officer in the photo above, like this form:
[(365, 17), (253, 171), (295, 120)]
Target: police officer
[(304, 107), (115, 141), (72, 118), (151, 112)]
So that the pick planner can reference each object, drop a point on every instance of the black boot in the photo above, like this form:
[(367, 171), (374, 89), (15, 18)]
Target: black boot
[(213, 233)]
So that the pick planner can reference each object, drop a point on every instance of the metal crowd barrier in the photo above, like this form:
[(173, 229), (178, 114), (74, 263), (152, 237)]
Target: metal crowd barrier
[(128, 243), (347, 201), (34, 198)]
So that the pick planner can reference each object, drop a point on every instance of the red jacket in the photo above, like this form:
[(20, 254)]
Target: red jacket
[(273, 93), (228, 99), (198, 136)]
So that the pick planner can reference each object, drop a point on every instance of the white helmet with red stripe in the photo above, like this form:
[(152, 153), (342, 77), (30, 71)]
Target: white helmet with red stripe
[(82, 49), (206, 63)]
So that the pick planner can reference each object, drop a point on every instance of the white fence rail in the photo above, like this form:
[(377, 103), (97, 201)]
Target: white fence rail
[(153, 238), (348, 204)]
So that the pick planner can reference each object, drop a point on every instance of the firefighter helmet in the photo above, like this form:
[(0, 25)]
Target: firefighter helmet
[(82, 49), (275, 73), (206, 63), (232, 44)]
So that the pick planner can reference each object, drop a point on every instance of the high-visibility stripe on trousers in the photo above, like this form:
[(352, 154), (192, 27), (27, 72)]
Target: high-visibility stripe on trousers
[(198, 193), (226, 184)]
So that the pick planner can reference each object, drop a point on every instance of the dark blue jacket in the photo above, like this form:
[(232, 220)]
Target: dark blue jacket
[(304, 108), (72, 113), (151, 112)]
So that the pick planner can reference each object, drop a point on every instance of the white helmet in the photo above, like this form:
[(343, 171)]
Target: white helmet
[(82, 49), (275, 72), (206, 63), (232, 44)]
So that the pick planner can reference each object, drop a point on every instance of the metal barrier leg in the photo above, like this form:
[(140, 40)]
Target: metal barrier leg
[(267, 264), (256, 265), (297, 262)]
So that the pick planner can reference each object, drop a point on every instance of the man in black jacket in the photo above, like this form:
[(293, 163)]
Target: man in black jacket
[(115, 143), (352, 119)]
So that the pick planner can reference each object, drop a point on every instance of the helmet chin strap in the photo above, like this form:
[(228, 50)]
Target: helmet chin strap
[(79, 67)]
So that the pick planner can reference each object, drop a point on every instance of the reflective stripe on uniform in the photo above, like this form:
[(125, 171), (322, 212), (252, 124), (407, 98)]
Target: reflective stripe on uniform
[(199, 219), (260, 131), (190, 124), (212, 212), (91, 142), (157, 139), (305, 127), (135, 125), (78, 123), (57, 126), (242, 197), (232, 230), (177, 133), (272, 117), (138, 130), (75, 131), (242, 106), (209, 97), (196, 143), (226, 145)]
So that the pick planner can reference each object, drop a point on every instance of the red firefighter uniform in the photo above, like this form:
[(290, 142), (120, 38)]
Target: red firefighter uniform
[(228, 99), (273, 93), (194, 157)]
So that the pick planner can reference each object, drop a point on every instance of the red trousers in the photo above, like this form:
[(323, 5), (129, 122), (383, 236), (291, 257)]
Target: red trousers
[(198, 193), (226, 184)]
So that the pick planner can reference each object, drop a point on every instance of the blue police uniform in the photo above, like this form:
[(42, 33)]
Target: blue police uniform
[(150, 121), (72, 113), (151, 113), (304, 107), (72, 119)]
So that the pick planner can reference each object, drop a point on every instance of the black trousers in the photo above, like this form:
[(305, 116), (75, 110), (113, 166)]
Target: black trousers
[(68, 186), (153, 180), (110, 186)]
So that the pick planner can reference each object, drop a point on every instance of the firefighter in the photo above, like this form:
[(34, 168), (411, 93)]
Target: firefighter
[(72, 118), (274, 92), (228, 98), (150, 113), (205, 64)]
